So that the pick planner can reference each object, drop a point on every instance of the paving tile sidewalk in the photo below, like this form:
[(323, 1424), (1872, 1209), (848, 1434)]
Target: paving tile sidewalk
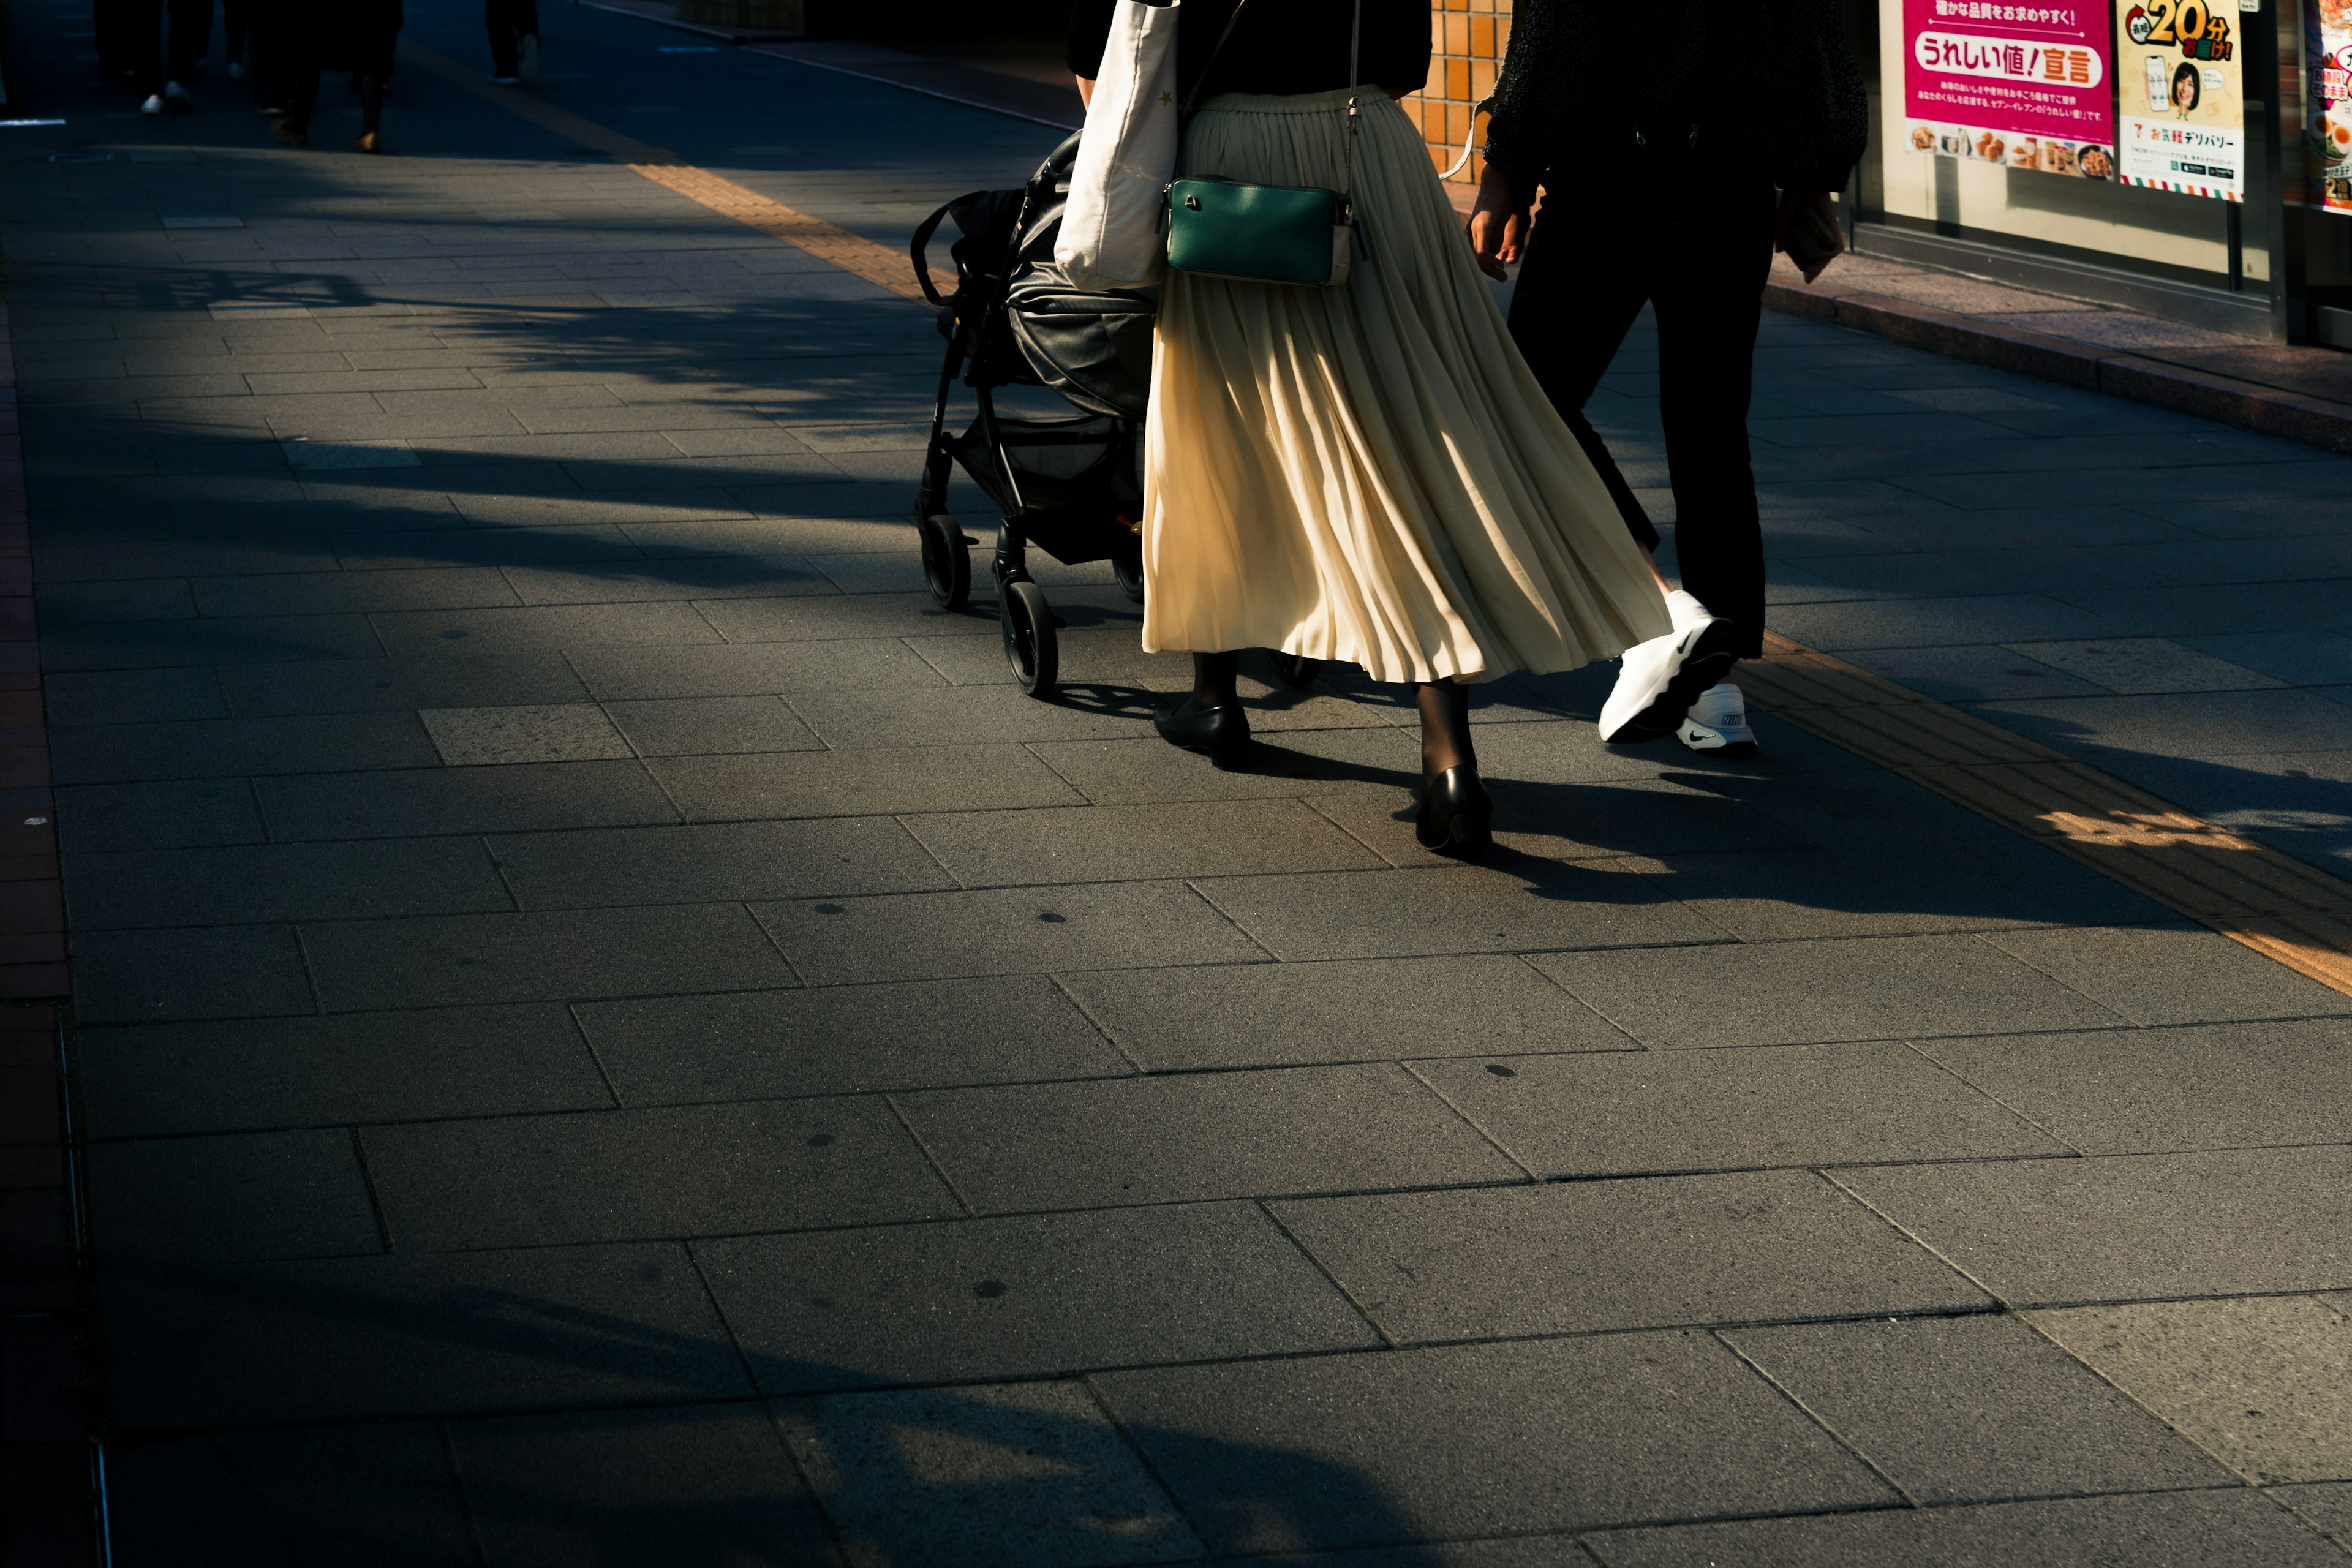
[(608, 1031)]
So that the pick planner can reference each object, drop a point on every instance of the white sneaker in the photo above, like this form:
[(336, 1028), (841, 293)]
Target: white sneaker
[(527, 60), (1660, 679), (179, 96), (154, 105), (1718, 721)]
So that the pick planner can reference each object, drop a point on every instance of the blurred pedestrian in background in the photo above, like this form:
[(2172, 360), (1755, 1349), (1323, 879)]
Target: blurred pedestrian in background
[(1661, 198), (514, 41), (164, 75), (237, 19), (358, 36)]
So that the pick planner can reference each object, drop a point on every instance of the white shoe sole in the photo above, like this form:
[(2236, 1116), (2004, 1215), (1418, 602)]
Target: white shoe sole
[(1660, 680), (1698, 737)]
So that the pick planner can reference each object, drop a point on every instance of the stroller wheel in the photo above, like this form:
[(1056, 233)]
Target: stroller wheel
[(1129, 572), (946, 561), (1294, 670), (1029, 647)]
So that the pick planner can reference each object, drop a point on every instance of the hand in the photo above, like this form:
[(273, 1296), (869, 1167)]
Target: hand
[(1819, 202), (1498, 225)]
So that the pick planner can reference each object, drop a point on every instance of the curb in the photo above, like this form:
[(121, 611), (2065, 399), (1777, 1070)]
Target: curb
[(2249, 405)]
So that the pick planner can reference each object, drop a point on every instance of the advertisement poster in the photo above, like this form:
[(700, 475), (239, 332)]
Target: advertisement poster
[(2024, 86), (2181, 104), (2327, 46)]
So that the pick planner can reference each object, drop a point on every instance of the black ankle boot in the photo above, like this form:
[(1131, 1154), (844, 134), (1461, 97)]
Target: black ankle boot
[(1456, 816), (1221, 731)]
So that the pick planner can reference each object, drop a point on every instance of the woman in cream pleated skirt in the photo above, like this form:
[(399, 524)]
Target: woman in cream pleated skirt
[(1368, 473)]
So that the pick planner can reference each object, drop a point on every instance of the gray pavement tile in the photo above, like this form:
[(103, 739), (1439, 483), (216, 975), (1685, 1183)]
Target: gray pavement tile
[(1990, 880), (1594, 1255), (1031, 930), (2136, 1091), (154, 1080), (1797, 992), (1318, 762), (643, 580), (541, 1329), (539, 732), (1964, 568), (376, 1495), (1129, 843), (2136, 667), (2214, 609), (543, 627), (550, 955), (438, 679), (160, 976), (1977, 673), (1513, 904), (933, 1033), (708, 862), (86, 603), (1975, 1409), (1292, 1015), (1930, 623), (242, 1198), (1030, 1297), (452, 543), (857, 783), (633, 1175), (2051, 1232), (766, 669), (131, 697), (2259, 1383), (963, 716), (2161, 1530), (257, 640), (2173, 975), (1198, 1136), (829, 618), (158, 816), (691, 726), (707, 1484), (1634, 1112), (2297, 657), (2326, 1506), (2200, 724), (513, 799), (315, 593), (250, 884), (1023, 1475), (333, 742), (1362, 1450)]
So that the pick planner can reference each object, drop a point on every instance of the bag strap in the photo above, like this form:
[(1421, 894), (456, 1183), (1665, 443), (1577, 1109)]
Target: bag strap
[(1355, 117), (1201, 81), (918, 252)]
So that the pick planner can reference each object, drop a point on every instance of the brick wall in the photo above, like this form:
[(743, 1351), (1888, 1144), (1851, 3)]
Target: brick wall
[(1466, 40)]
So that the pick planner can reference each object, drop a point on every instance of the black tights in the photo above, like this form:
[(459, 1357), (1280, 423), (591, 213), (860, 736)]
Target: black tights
[(1444, 710)]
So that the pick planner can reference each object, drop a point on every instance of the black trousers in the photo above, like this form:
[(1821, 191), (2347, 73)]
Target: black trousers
[(191, 39), (1698, 250), (508, 21), (236, 17)]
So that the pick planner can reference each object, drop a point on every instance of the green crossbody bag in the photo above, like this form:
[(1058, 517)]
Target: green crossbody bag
[(1299, 234)]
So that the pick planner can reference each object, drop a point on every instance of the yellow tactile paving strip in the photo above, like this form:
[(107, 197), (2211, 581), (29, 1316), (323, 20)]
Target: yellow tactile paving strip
[(854, 253), (2272, 902)]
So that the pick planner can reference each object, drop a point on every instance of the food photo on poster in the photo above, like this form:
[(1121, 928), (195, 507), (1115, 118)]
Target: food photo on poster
[(2181, 102), (2026, 86), (2327, 49)]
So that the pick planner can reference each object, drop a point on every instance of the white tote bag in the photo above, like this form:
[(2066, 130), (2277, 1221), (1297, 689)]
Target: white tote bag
[(1110, 236)]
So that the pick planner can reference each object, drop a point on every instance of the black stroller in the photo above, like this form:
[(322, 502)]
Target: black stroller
[(1071, 484)]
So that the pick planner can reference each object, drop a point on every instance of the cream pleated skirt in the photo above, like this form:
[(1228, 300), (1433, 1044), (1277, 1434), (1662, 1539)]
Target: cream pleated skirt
[(1369, 473)]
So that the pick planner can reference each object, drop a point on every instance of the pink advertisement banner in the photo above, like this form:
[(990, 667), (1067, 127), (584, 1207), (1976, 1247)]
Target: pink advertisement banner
[(2036, 70)]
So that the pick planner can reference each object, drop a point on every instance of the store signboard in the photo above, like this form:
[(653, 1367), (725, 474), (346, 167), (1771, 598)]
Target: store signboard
[(2022, 85), (2181, 102), (2327, 46)]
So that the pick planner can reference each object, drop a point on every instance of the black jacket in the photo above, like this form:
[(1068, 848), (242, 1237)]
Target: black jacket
[(1776, 83)]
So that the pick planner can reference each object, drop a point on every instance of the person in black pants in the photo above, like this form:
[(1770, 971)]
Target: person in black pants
[(514, 40), (1658, 203)]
